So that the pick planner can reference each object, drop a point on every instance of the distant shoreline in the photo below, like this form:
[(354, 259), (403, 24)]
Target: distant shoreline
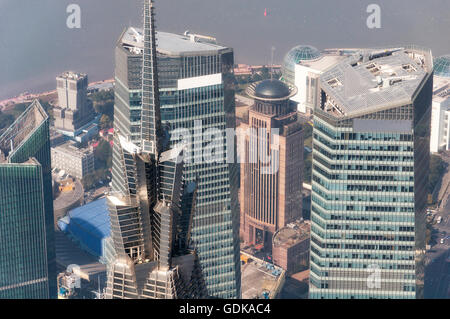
[(27, 97)]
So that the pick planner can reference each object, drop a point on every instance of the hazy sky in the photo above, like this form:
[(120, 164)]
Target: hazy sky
[(36, 45)]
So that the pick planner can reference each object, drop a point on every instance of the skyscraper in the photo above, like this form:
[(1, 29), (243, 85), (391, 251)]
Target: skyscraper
[(270, 200), (27, 258), (195, 77), (370, 175), (194, 85), (157, 199)]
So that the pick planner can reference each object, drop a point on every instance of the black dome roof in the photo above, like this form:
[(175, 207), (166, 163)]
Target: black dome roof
[(272, 89)]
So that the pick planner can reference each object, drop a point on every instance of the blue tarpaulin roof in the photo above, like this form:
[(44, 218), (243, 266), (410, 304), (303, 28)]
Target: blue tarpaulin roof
[(89, 225)]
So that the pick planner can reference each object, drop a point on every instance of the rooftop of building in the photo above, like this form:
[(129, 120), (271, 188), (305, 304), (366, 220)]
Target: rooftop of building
[(301, 53), (71, 75), (88, 220), (441, 89), (24, 126), (259, 279), (441, 83), (70, 147), (292, 234), (375, 78), (171, 43), (271, 90), (69, 253), (324, 62), (442, 66)]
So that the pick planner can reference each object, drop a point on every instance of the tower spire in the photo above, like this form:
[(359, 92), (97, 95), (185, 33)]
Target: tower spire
[(150, 117)]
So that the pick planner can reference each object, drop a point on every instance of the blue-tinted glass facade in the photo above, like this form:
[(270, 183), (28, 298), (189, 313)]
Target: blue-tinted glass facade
[(216, 217), (27, 261)]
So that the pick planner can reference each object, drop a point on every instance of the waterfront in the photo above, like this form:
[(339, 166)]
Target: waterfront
[(34, 48)]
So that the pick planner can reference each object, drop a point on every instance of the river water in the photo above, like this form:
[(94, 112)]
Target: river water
[(36, 45)]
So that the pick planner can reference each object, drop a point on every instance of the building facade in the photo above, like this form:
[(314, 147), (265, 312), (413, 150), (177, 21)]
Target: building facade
[(190, 237), (76, 162), (27, 259), (370, 176), (195, 92), (270, 199), (290, 248), (440, 116), (74, 111)]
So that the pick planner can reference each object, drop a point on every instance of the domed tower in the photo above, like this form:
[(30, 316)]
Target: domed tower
[(271, 153)]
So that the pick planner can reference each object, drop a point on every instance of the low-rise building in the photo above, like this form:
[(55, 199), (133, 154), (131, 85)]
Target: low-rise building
[(77, 162), (290, 247)]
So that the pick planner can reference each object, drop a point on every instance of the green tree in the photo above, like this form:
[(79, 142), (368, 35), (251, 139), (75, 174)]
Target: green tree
[(105, 122), (437, 169), (103, 155)]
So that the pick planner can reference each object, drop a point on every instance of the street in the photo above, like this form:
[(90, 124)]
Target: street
[(437, 272)]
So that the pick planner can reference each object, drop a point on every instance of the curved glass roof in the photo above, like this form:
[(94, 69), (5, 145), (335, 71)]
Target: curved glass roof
[(302, 53), (296, 55), (442, 66)]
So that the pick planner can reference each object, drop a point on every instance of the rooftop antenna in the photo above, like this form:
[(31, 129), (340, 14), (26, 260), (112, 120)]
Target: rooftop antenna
[(271, 63)]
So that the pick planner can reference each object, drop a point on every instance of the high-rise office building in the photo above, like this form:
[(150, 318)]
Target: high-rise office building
[(74, 110), (172, 222), (370, 175), (270, 199), (195, 85), (27, 258)]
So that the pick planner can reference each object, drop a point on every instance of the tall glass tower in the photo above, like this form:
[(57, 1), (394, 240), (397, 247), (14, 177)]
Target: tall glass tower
[(370, 174), (194, 78), (27, 258), (171, 222), (195, 93)]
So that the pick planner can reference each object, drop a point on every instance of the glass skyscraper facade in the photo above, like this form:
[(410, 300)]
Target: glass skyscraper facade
[(27, 258), (195, 86), (370, 175)]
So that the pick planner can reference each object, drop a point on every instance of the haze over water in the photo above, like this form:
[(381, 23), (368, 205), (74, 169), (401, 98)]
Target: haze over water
[(36, 45)]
